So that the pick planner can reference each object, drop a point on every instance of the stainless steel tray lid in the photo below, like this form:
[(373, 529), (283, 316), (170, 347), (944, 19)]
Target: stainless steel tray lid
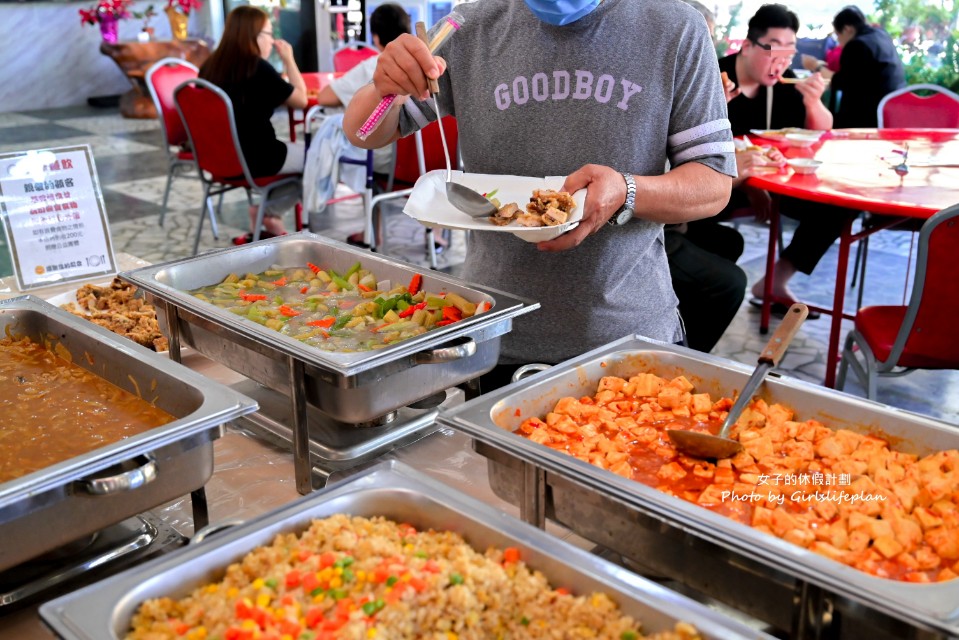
[(219, 404), (171, 281), (935, 605), (391, 489)]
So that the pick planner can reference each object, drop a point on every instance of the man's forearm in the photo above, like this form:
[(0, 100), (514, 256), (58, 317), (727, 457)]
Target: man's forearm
[(818, 117), (361, 106), (689, 192)]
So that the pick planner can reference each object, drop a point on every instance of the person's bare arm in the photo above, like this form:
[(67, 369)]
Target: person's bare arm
[(361, 106), (812, 63), (297, 99), (691, 191), (817, 115), (328, 98), (402, 70)]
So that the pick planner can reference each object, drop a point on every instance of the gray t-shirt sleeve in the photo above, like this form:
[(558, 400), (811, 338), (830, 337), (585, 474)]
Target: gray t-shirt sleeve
[(699, 129)]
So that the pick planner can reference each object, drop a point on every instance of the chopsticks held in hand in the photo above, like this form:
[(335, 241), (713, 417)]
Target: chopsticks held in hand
[(798, 80)]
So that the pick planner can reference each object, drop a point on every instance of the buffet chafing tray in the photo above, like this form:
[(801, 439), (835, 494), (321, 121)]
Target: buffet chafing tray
[(779, 582), (351, 388), (398, 492), (49, 508)]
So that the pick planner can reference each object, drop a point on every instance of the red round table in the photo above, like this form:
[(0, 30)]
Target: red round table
[(315, 82), (858, 173)]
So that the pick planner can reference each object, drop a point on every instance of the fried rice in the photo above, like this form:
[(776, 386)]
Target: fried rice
[(358, 578)]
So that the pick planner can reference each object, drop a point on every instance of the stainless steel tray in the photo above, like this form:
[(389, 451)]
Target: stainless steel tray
[(350, 387), (46, 509), (618, 513), (395, 491)]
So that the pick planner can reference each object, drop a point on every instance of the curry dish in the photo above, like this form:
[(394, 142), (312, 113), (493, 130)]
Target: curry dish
[(838, 493), (52, 410)]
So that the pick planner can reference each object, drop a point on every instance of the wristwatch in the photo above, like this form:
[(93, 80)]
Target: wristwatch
[(625, 212)]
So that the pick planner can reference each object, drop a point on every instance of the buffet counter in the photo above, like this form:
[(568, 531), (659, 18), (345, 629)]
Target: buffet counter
[(252, 477), (495, 451)]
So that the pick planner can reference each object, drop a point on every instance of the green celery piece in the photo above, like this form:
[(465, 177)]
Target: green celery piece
[(341, 283), (352, 270)]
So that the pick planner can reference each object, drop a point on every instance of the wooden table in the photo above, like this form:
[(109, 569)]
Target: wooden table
[(135, 58), (857, 173)]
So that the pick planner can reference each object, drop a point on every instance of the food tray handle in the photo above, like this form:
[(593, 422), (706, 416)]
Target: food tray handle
[(144, 474), (212, 529), (456, 350), (528, 370)]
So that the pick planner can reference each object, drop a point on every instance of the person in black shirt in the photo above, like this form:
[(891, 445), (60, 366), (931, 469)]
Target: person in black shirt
[(702, 267), (756, 70), (869, 69), (239, 67)]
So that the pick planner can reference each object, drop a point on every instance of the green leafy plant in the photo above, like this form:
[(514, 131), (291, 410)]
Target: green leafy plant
[(926, 37), (723, 30), (146, 15)]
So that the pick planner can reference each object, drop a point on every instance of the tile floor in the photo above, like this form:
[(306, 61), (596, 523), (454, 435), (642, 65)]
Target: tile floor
[(132, 167)]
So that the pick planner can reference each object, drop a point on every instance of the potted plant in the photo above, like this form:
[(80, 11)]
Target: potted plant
[(146, 15), (107, 13), (178, 11)]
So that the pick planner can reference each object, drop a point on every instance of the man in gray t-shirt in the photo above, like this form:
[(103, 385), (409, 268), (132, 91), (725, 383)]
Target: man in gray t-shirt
[(622, 86)]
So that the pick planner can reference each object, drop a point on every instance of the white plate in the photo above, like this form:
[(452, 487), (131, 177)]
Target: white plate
[(780, 134), (428, 204)]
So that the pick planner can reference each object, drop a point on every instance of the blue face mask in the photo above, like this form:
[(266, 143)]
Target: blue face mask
[(561, 12)]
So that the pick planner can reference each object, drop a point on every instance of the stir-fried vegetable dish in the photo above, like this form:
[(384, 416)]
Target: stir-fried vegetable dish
[(343, 312)]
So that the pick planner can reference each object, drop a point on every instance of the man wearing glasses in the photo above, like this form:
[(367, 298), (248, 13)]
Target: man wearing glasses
[(760, 100), (766, 55)]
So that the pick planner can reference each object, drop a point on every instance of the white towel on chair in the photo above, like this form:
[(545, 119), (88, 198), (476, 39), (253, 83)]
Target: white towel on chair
[(323, 168)]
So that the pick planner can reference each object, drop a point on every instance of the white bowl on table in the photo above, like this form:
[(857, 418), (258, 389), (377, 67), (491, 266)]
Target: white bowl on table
[(802, 139), (804, 166)]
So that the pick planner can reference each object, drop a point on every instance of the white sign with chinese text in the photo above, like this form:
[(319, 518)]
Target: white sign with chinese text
[(54, 217)]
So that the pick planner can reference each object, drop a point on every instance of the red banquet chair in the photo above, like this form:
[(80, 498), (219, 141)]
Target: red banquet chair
[(894, 340), (413, 156), (161, 79), (904, 108), (351, 54), (207, 113)]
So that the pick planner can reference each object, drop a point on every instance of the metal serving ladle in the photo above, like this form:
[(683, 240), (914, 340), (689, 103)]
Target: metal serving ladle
[(473, 204), (704, 445)]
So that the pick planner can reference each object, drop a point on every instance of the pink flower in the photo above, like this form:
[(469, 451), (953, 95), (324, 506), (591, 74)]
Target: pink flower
[(117, 9), (184, 6)]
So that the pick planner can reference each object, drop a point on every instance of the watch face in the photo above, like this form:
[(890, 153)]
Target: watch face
[(623, 216)]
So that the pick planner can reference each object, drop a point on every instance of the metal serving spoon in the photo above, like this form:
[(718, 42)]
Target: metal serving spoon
[(473, 204), (704, 445)]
